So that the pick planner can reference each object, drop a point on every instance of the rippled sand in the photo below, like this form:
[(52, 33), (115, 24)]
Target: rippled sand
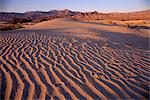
[(68, 59)]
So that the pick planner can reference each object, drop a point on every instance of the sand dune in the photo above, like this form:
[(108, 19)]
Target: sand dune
[(68, 59)]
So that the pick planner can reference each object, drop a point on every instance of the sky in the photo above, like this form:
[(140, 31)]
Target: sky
[(74, 5)]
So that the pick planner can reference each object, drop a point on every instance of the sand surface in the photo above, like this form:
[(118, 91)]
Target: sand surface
[(68, 59)]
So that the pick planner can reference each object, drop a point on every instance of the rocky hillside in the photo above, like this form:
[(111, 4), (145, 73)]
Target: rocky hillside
[(38, 16)]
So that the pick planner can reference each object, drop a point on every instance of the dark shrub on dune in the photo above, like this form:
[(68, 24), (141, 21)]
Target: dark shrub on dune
[(20, 20), (44, 19)]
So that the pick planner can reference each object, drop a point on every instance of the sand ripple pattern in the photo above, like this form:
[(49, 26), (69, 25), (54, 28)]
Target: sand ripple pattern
[(53, 65)]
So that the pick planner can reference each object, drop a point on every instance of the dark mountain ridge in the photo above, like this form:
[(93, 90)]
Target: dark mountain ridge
[(37, 16)]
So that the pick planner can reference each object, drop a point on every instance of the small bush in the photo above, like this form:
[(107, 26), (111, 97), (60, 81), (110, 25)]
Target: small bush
[(110, 22), (5, 28), (44, 19), (18, 26)]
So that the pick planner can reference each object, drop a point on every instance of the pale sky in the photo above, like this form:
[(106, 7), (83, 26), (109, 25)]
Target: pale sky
[(75, 5)]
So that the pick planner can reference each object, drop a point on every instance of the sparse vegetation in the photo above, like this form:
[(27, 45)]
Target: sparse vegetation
[(20, 20), (10, 27), (44, 19), (16, 23), (138, 24), (5, 28)]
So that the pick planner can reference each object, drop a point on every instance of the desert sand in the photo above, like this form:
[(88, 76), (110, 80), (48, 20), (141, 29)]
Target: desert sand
[(69, 59)]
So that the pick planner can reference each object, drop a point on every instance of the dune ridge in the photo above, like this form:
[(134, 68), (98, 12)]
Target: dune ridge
[(56, 62)]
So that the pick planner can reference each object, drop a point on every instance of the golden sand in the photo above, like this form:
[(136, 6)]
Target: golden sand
[(67, 59)]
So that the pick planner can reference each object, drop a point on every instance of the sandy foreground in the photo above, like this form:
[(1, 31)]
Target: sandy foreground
[(68, 59)]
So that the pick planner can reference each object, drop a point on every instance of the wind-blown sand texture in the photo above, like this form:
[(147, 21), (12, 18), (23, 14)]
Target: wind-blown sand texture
[(68, 59)]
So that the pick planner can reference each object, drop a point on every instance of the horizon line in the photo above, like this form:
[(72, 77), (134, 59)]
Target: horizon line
[(76, 11)]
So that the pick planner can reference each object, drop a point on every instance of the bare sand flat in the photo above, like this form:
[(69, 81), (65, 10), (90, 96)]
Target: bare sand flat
[(69, 59)]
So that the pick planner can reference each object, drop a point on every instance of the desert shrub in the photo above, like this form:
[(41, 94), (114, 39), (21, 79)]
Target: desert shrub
[(110, 22), (144, 23), (132, 26), (98, 19), (20, 20), (18, 26), (25, 20), (44, 19), (115, 23), (15, 20), (5, 28), (74, 19), (126, 25)]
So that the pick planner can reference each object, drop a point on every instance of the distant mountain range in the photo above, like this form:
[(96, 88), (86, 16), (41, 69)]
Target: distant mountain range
[(37, 16)]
